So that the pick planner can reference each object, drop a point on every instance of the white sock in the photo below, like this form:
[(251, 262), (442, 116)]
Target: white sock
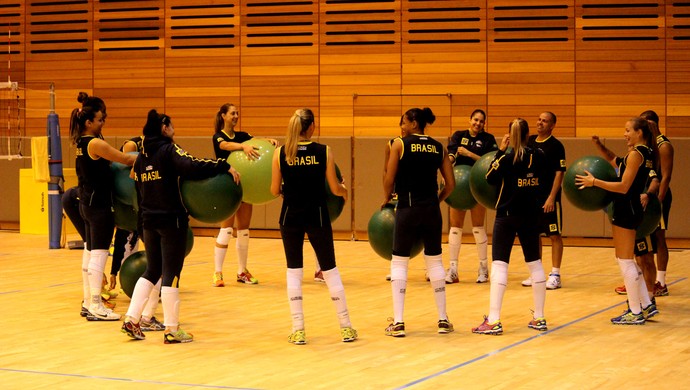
[(482, 242), (536, 273), (142, 291), (434, 267), (399, 285), (152, 303), (642, 288), (96, 266), (242, 246), (661, 277), (630, 278), (555, 271), (85, 258), (454, 244), (170, 298), (499, 282), (337, 291), (224, 236), (294, 291)]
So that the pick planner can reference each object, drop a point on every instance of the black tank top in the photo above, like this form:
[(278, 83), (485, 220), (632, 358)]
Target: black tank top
[(416, 178), (303, 181), (94, 176)]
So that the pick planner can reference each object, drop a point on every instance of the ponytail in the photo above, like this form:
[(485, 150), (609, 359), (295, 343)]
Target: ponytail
[(299, 124)]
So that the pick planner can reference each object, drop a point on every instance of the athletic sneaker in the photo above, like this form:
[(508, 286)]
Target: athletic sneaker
[(628, 318), (218, 279), (98, 312), (553, 282), (452, 276), (153, 325), (650, 311), (84, 311), (108, 304), (318, 277), (388, 277), (396, 329), (132, 330), (444, 326), (482, 274), (486, 328), (538, 324), (659, 290), (621, 290), (527, 282), (246, 277), (177, 337), (348, 334), (298, 337)]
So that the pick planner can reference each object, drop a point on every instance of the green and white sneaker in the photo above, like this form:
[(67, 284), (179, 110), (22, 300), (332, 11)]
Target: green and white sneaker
[(153, 325), (298, 337), (178, 337), (628, 318), (348, 334)]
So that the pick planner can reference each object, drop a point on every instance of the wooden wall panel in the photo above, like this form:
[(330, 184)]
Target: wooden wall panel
[(677, 69), (360, 60), (531, 61), (202, 62), (278, 62), (129, 64), (619, 44)]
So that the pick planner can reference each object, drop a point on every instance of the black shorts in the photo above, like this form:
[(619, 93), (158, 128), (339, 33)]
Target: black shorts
[(645, 245), (411, 223), (551, 224), (505, 230), (627, 214)]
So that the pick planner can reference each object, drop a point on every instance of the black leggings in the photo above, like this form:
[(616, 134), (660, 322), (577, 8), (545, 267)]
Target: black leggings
[(70, 203), (505, 229), (321, 239), (165, 248), (99, 224), (411, 223)]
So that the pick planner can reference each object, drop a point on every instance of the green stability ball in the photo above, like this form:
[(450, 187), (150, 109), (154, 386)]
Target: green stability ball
[(123, 186), (335, 203), (483, 192), (651, 218), (590, 198), (255, 173), (381, 233), (132, 268), (212, 200), (190, 241), (461, 198), (125, 216)]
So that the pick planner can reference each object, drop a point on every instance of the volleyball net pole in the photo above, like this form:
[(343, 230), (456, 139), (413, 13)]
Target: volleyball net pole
[(56, 185)]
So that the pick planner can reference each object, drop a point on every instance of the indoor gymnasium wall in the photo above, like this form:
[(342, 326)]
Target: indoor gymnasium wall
[(358, 64)]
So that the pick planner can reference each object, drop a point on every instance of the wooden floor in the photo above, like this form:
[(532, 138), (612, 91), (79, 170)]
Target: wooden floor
[(241, 330)]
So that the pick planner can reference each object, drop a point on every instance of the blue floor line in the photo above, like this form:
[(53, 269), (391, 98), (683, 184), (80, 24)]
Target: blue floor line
[(126, 379), (518, 343)]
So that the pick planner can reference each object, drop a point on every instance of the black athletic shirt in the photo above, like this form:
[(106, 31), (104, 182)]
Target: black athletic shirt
[(94, 176), (480, 145), (555, 161), (222, 136), (644, 173), (416, 177), (159, 169), (519, 182), (138, 140)]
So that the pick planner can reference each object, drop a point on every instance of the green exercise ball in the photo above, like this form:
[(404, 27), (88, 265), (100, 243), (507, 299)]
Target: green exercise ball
[(125, 216), (461, 198), (212, 200), (651, 218), (381, 233), (590, 198), (255, 173), (123, 185), (190, 241), (132, 268), (335, 203), (484, 193)]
